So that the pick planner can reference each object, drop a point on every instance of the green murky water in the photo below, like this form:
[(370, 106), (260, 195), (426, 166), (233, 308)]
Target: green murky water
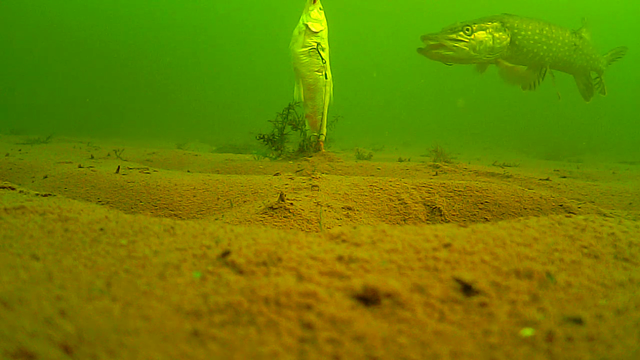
[(216, 71)]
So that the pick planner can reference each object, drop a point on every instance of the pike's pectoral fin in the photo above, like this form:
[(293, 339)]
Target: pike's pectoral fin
[(585, 85), (528, 78), (316, 26), (512, 74), (538, 74)]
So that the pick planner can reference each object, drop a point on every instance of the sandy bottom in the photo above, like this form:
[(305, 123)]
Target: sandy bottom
[(195, 255)]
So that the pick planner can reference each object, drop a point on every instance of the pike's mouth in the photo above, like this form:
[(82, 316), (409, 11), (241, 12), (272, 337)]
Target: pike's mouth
[(442, 43), (443, 48), (435, 47)]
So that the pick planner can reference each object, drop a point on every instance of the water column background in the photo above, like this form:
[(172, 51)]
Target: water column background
[(216, 71)]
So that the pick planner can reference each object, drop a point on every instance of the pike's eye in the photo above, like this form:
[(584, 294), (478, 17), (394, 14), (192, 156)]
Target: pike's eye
[(467, 30)]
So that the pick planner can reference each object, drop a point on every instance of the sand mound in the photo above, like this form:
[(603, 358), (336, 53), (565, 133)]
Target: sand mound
[(182, 255)]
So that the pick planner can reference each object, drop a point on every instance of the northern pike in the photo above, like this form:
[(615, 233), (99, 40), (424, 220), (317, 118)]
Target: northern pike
[(310, 55), (524, 50)]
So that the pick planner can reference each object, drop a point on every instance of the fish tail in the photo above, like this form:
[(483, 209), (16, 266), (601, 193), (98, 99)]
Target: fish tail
[(609, 58), (615, 55)]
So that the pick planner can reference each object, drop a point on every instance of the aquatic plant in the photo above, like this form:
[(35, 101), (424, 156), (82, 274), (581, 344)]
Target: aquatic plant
[(118, 153), (362, 154), (331, 124), (440, 156), (505, 164), (289, 120)]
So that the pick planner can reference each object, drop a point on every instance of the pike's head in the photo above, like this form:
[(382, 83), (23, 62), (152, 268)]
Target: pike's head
[(473, 42), (313, 16)]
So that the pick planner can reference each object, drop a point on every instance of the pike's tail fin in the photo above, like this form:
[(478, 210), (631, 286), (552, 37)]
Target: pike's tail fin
[(615, 55), (587, 84)]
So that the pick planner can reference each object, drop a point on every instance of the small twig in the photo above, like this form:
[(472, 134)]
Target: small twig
[(118, 153), (36, 141), (504, 164)]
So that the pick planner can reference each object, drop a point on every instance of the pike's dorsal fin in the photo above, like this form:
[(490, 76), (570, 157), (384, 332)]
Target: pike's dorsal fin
[(528, 78), (584, 32)]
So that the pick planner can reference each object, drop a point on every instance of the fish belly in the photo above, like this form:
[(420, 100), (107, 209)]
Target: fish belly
[(313, 88)]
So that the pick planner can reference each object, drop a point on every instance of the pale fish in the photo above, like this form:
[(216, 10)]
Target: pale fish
[(310, 56)]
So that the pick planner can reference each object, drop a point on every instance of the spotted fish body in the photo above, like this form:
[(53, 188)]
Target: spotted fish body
[(524, 50)]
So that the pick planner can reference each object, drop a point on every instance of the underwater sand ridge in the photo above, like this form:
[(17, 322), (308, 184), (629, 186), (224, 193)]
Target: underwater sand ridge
[(317, 258), (102, 284), (318, 194)]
